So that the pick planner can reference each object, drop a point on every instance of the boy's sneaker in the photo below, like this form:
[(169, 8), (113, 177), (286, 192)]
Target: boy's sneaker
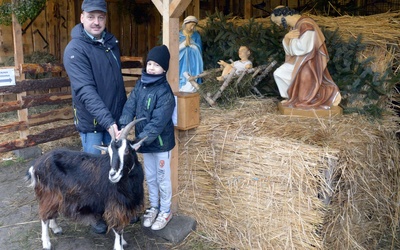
[(161, 221), (150, 216)]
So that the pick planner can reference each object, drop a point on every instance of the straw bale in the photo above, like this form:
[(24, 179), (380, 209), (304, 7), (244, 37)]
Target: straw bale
[(255, 179)]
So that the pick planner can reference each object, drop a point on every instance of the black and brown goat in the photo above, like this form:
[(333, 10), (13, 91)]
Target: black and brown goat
[(85, 187)]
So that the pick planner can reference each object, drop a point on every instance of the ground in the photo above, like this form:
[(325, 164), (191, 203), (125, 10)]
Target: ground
[(20, 227)]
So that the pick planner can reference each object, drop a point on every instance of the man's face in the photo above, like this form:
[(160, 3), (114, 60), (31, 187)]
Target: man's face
[(94, 22), (276, 19)]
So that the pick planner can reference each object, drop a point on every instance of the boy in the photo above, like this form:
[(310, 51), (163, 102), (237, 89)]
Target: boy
[(153, 99)]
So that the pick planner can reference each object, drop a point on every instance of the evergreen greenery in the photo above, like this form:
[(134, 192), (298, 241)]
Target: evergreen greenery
[(5, 14), (363, 90), (23, 9), (222, 39)]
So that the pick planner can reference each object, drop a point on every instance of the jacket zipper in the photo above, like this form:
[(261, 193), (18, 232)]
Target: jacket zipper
[(160, 140), (148, 103)]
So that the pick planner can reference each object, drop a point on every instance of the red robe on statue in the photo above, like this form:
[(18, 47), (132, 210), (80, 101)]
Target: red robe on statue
[(312, 85)]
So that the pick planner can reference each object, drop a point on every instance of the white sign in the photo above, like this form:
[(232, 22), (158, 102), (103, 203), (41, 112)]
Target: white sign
[(7, 76)]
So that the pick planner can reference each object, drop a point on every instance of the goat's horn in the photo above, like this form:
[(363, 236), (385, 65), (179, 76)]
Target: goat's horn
[(128, 128), (112, 133)]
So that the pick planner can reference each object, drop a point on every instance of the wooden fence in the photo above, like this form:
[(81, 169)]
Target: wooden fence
[(36, 94)]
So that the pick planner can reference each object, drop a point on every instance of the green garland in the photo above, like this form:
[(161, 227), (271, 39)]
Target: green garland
[(23, 9)]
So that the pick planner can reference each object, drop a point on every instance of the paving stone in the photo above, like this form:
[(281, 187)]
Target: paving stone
[(176, 230)]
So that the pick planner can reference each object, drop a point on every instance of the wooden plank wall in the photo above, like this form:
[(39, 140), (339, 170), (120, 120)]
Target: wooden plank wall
[(50, 95), (50, 31)]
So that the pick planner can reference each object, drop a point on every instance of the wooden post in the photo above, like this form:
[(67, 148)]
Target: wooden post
[(193, 9), (18, 61), (171, 10), (247, 9)]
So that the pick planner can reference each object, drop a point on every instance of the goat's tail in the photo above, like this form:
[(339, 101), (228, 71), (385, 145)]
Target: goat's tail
[(30, 176)]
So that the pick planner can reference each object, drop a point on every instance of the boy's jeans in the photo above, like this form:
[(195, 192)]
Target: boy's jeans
[(90, 139), (158, 176)]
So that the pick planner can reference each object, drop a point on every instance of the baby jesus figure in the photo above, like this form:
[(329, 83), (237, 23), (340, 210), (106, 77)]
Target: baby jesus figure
[(240, 65)]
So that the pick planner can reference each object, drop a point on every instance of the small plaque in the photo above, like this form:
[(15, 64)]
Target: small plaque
[(7, 76)]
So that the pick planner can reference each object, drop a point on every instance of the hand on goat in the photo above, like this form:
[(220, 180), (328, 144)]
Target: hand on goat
[(113, 130)]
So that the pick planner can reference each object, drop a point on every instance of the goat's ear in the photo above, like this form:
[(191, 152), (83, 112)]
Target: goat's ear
[(101, 147), (137, 145)]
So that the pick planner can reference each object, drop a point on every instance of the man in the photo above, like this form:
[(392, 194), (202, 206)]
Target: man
[(304, 78), (92, 62)]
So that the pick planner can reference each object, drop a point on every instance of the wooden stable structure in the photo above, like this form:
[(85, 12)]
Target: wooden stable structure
[(170, 12), (52, 91), (50, 30)]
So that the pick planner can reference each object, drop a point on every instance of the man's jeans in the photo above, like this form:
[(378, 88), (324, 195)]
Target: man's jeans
[(90, 139)]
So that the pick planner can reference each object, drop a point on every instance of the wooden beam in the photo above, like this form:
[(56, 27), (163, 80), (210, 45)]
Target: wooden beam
[(177, 7), (35, 84), (45, 136), (170, 12), (248, 13), (18, 48), (159, 5), (13, 127), (18, 60), (34, 68), (193, 9), (51, 116)]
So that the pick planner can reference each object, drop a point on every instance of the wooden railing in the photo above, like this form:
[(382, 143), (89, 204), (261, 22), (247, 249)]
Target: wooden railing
[(36, 93)]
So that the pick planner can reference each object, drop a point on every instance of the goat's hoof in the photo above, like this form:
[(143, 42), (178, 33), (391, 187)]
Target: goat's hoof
[(57, 231), (47, 247), (100, 227)]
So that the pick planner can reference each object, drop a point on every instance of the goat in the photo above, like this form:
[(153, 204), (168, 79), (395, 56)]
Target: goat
[(85, 187)]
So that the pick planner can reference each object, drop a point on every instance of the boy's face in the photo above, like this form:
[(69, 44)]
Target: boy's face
[(153, 68), (94, 22)]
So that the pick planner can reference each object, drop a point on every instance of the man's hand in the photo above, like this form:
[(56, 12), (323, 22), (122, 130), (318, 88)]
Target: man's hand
[(113, 130)]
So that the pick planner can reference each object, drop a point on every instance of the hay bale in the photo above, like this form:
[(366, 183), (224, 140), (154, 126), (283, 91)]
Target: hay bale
[(255, 179)]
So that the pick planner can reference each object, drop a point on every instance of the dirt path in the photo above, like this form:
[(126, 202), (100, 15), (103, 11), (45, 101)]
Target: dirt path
[(20, 227)]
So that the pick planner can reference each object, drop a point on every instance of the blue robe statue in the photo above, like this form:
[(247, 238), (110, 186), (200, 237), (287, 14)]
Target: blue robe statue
[(190, 57)]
